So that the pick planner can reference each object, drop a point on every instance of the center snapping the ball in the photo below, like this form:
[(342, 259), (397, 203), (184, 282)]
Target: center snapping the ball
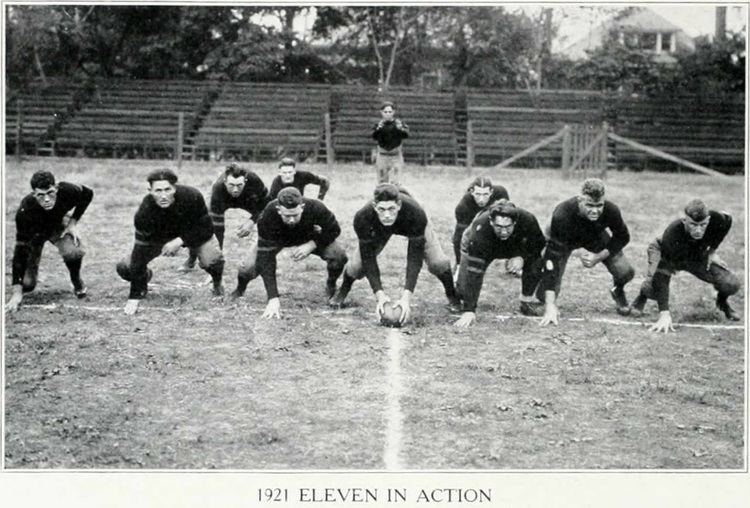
[(391, 315)]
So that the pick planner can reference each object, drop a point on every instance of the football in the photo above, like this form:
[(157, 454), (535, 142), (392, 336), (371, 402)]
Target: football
[(390, 315)]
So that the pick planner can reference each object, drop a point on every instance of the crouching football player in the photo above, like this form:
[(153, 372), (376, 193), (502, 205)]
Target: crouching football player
[(239, 188), (306, 226), (170, 217), (394, 212), (50, 213), (290, 176), (688, 244), (480, 195), (502, 232), (595, 224)]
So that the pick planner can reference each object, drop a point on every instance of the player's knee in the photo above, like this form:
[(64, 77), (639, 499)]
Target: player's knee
[(626, 274), (728, 285), (73, 254), (28, 285), (123, 269)]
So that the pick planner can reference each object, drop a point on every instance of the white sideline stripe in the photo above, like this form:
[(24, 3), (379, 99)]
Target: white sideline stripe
[(503, 317), (53, 306), (393, 416)]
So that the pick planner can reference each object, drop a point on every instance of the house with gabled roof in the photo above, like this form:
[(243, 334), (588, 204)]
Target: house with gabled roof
[(638, 28)]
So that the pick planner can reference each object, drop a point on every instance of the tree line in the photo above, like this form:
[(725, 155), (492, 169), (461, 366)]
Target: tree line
[(478, 46)]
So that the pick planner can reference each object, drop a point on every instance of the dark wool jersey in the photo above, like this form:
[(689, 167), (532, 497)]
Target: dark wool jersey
[(35, 224), (484, 246), (301, 179), (372, 234), (569, 230), (679, 250), (318, 224), (186, 218), (467, 208), (252, 199), (389, 136)]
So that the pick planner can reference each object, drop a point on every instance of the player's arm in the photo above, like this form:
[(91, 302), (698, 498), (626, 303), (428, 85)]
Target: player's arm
[(217, 209), (476, 265), (402, 128), (276, 187), (266, 265), (21, 251), (717, 238), (376, 130), (620, 233), (660, 284), (83, 200), (532, 257)]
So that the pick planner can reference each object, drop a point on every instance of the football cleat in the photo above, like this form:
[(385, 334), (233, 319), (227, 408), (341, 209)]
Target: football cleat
[(637, 308), (729, 312), (530, 309), (621, 302)]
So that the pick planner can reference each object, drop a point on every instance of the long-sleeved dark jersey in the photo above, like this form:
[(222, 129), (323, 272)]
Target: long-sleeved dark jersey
[(35, 224), (468, 208), (317, 223), (389, 135), (679, 250), (186, 218), (569, 230), (301, 179), (253, 198), (372, 234), (483, 246)]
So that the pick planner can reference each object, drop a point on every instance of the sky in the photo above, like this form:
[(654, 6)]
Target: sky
[(694, 19)]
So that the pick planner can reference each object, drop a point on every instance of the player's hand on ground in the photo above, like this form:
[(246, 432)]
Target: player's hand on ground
[(132, 307), (382, 299), (514, 266), (245, 229), (551, 315), (302, 251), (589, 259), (466, 319), (13, 303), (172, 247), (273, 309), (72, 231), (663, 324)]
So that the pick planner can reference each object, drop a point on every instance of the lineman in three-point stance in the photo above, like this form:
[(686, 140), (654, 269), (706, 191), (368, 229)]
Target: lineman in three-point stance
[(170, 216), (290, 176), (306, 226), (591, 222), (50, 213), (689, 244)]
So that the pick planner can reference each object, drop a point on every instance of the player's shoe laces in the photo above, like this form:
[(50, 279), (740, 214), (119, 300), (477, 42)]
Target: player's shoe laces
[(729, 312), (637, 308), (621, 302), (530, 309)]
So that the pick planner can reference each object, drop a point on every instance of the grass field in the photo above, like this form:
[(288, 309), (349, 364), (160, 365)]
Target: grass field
[(193, 381)]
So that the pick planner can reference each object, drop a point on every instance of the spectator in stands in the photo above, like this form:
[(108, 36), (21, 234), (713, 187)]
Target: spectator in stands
[(389, 132), (689, 244), (502, 232), (236, 187), (590, 222), (289, 176), (50, 213), (304, 225), (394, 212), (170, 216)]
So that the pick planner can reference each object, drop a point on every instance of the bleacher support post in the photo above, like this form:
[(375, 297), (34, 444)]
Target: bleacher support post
[(603, 153), (178, 145), (330, 156), (469, 144), (19, 129), (565, 161)]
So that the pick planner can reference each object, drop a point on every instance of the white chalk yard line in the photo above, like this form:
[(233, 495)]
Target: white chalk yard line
[(504, 317), (393, 416)]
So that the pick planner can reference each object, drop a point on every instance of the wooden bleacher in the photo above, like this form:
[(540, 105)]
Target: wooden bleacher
[(136, 118), (429, 115), (504, 122), (42, 108), (262, 121), (707, 132)]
